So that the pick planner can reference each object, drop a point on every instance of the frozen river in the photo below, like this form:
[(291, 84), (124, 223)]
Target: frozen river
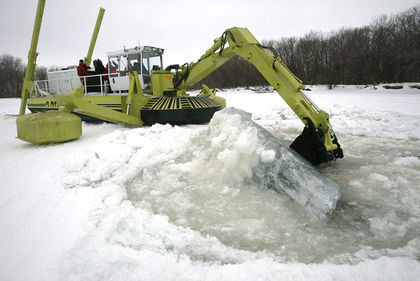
[(174, 203)]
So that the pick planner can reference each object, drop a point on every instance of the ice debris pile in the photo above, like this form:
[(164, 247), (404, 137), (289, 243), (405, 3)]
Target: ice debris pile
[(230, 151)]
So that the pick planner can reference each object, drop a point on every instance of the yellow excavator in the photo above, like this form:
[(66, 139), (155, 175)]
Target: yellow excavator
[(154, 94)]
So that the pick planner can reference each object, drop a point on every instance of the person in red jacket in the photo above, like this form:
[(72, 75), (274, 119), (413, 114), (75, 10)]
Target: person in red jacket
[(106, 77), (82, 69)]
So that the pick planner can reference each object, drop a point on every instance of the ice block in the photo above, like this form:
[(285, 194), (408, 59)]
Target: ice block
[(283, 169)]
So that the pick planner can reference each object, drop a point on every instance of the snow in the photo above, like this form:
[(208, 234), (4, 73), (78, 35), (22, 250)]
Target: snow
[(146, 204), (268, 156)]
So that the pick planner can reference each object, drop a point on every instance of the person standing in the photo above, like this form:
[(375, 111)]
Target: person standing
[(99, 67), (99, 70), (82, 69)]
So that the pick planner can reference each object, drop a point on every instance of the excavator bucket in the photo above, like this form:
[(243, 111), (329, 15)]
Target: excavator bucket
[(310, 145)]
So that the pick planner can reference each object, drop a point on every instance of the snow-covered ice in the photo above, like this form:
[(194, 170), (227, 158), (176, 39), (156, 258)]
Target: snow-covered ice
[(173, 203)]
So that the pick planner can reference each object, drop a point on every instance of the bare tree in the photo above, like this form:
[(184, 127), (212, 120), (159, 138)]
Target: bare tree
[(11, 76)]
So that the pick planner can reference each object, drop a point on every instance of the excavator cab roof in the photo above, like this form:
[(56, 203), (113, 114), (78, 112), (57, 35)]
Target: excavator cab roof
[(145, 51)]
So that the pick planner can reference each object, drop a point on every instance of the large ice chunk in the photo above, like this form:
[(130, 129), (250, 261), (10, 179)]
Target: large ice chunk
[(286, 171)]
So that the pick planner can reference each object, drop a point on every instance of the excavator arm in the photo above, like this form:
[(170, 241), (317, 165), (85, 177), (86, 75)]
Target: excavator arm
[(318, 142)]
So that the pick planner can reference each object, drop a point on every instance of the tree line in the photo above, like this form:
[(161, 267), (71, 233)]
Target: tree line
[(387, 50), (12, 72)]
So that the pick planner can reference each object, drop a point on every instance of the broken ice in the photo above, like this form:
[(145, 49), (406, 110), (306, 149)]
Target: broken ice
[(286, 171)]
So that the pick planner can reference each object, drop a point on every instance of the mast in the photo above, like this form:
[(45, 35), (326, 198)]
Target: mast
[(88, 57), (28, 81)]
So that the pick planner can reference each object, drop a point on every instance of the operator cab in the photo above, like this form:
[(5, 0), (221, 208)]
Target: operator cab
[(143, 59)]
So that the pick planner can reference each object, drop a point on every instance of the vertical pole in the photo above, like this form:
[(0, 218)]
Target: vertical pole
[(84, 83), (88, 57), (119, 82), (28, 81), (100, 82)]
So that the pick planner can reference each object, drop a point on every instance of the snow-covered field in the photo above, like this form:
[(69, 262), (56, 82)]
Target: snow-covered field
[(172, 203)]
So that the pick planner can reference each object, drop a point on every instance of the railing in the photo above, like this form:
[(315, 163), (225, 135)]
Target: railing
[(94, 85)]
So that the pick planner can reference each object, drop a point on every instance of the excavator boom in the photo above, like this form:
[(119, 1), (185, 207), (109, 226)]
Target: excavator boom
[(317, 143)]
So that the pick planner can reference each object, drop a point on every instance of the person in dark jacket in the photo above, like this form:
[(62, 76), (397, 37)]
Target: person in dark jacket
[(99, 67), (100, 70)]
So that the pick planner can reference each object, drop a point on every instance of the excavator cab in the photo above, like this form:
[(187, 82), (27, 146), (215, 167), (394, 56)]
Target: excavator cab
[(143, 60)]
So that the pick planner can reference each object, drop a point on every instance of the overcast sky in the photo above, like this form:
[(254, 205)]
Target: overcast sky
[(184, 28)]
